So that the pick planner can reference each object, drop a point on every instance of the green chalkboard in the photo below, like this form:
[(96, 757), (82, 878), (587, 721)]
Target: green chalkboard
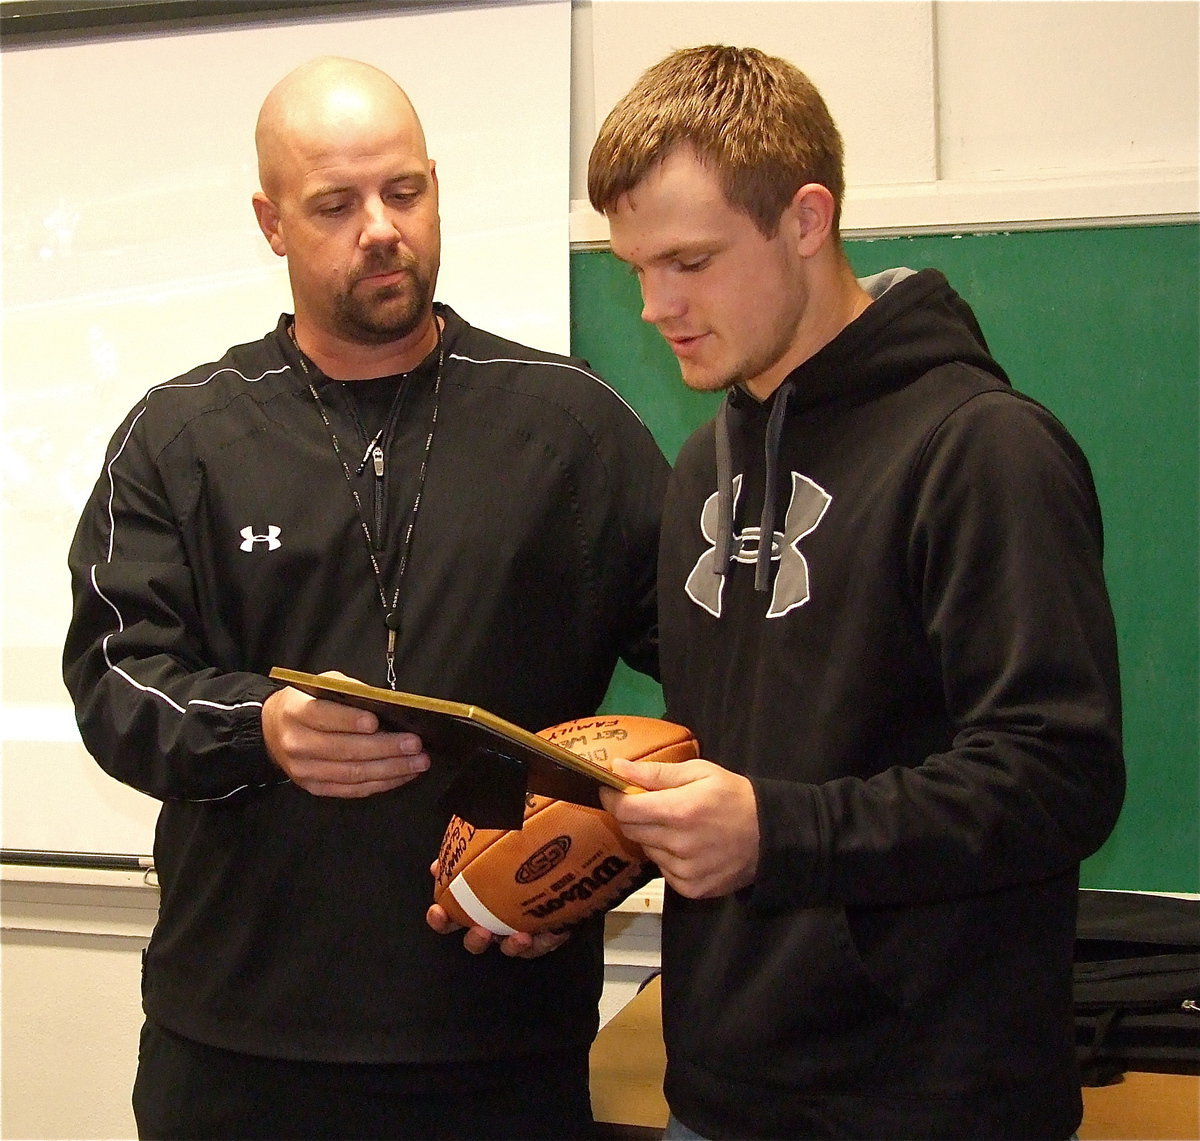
[(1103, 327)]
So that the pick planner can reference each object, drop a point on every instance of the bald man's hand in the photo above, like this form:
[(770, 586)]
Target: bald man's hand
[(331, 749), (697, 821)]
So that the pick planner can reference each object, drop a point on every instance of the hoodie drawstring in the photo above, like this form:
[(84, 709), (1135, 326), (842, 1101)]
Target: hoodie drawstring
[(766, 534), (724, 490), (724, 447)]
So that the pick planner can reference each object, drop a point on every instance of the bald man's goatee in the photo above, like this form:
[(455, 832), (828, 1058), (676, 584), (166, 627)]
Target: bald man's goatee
[(388, 312)]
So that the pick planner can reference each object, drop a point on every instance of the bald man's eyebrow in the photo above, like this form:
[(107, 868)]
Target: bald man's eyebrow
[(416, 179), (413, 183)]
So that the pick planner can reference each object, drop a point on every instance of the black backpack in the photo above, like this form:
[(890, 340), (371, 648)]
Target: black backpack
[(1137, 984)]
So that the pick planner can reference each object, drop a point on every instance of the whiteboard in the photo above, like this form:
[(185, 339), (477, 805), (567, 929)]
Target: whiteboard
[(131, 254)]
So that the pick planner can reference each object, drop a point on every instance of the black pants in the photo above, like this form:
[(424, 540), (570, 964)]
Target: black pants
[(188, 1090)]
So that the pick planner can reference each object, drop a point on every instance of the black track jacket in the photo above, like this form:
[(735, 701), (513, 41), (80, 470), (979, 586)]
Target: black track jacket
[(924, 694), (222, 540)]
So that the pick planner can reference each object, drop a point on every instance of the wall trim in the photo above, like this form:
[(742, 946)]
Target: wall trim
[(76, 901), (1143, 198)]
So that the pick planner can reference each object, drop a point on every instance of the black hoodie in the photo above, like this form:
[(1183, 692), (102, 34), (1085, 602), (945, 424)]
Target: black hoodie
[(922, 686)]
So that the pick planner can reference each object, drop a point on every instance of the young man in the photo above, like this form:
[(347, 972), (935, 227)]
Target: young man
[(883, 612), (380, 489)]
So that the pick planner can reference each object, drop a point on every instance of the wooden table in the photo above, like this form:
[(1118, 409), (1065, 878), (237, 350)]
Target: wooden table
[(1143, 1107), (628, 1062)]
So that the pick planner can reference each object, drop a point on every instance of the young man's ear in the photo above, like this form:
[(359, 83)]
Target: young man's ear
[(811, 210), (267, 214)]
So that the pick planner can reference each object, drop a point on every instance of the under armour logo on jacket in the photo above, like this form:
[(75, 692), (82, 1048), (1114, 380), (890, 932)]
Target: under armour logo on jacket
[(808, 504), (271, 538)]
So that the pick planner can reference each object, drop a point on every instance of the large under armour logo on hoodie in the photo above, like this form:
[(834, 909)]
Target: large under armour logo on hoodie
[(706, 583)]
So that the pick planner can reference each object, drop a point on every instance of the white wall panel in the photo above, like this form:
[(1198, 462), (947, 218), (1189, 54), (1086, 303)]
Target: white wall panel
[(957, 114), (1056, 88), (873, 63), (130, 254)]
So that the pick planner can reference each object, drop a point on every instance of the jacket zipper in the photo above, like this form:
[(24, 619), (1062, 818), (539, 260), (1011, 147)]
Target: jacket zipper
[(377, 460), (375, 451)]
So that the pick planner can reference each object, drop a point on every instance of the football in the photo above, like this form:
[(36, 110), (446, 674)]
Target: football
[(566, 862)]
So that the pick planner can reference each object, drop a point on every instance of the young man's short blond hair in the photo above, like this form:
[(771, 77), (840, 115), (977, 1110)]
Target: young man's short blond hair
[(756, 119)]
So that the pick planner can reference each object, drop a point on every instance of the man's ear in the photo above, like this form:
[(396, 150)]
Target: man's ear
[(811, 210), (433, 178), (267, 214)]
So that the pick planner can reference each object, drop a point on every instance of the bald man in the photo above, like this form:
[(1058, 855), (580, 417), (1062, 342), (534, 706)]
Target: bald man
[(375, 488)]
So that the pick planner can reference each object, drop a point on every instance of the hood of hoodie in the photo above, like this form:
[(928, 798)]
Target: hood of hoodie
[(914, 323)]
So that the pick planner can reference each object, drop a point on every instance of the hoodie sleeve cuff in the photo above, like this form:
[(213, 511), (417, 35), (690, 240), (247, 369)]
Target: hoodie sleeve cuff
[(792, 868)]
